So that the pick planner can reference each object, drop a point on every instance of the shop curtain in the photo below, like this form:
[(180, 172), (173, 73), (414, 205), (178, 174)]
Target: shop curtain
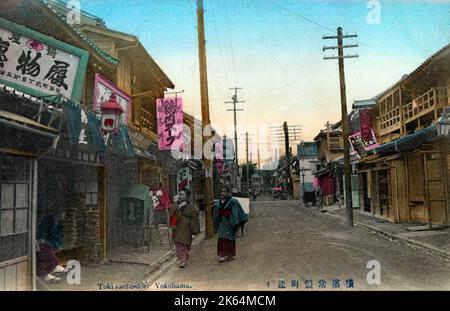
[(121, 143), (326, 184), (95, 136), (72, 116)]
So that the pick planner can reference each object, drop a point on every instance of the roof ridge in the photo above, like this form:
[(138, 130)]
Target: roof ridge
[(105, 55)]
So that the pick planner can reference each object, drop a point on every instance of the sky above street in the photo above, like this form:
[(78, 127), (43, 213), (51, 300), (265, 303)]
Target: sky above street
[(273, 50)]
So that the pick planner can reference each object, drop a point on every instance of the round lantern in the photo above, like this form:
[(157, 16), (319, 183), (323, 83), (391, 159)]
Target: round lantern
[(111, 112)]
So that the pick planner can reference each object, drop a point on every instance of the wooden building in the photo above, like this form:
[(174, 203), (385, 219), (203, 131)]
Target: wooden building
[(19, 272), (82, 179), (406, 180), (329, 172)]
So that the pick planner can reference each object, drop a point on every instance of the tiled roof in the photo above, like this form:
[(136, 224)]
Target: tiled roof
[(430, 59), (102, 53), (363, 103)]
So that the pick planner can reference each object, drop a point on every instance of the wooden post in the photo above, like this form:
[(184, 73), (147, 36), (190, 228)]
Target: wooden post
[(347, 168), (248, 166), (407, 188), (445, 180), (427, 199), (208, 192), (340, 46), (288, 160)]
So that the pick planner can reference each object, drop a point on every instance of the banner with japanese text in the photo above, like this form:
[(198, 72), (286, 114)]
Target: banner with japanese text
[(170, 123), (39, 65), (103, 88), (365, 124)]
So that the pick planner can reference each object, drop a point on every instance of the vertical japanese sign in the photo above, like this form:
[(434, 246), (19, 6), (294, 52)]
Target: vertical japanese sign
[(365, 124), (170, 123), (39, 65), (102, 92), (184, 178)]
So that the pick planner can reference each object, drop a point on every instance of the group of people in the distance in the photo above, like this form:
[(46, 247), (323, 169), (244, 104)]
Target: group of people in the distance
[(228, 217)]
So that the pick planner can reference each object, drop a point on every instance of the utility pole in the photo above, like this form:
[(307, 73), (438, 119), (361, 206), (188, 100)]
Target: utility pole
[(288, 159), (284, 132), (340, 47), (234, 102), (248, 169), (208, 186)]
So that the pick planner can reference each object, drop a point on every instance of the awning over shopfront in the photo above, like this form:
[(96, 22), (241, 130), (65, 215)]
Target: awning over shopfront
[(409, 142), (25, 128), (72, 116), (121, 143)]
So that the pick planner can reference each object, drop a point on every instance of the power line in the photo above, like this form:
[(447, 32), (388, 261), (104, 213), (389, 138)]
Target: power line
[(220, 48), (302, 17), (347, 168), (231, 46)]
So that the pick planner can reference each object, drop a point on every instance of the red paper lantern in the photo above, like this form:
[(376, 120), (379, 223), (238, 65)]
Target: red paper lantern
[(111, 112)]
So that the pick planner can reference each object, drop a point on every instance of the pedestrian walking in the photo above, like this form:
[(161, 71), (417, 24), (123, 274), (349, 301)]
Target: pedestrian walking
[(228, 217), (185, 222)]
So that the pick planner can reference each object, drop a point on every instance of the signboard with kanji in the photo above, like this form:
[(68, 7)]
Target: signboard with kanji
[(184, 178), (365, 124), (39, 65), (102, 92), (170, 123)]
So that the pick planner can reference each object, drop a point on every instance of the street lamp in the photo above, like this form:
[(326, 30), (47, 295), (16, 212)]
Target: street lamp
[(443, 125), (443, 129), (111, 112)]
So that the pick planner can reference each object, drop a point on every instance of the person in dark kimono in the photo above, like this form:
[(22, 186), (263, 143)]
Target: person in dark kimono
[(185, 221), (50, 239), (228, 217)]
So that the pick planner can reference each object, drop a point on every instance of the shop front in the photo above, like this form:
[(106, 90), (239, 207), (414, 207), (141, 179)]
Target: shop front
[(22, 142), (71, 195)]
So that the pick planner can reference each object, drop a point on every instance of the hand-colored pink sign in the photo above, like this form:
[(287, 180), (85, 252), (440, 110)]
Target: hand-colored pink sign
[(367, 144), (170, 123)]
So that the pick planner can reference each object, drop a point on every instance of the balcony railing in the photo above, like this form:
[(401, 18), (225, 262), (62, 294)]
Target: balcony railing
[(147, 120), (391, 120), (435, 98)]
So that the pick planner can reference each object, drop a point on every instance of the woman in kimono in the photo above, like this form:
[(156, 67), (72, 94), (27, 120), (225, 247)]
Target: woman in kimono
[(50, 240), (185, 221), (228, 217)]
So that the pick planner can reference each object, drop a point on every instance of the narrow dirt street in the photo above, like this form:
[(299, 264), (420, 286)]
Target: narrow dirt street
[(290, 247)]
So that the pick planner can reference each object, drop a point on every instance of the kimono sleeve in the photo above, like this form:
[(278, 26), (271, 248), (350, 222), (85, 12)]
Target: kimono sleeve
[(238, 216), (216, 216), (195, 222)]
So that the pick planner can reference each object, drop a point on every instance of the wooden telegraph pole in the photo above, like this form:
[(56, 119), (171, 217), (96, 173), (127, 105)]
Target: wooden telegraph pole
[(208, 187), (236, 159), (288, 159), (340, 47), (248, 166)]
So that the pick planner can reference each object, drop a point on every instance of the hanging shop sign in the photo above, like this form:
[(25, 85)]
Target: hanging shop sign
[(359, 145), (39, 65), (103, 89), (365, 124), (170, 123), (183, 178)]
